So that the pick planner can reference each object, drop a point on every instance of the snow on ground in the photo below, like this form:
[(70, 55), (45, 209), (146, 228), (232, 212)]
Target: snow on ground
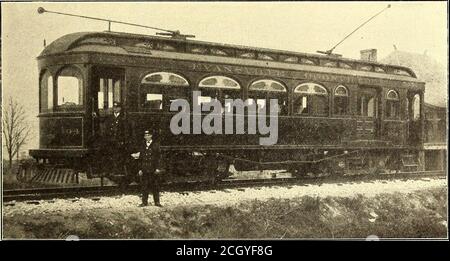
[(226, 197)]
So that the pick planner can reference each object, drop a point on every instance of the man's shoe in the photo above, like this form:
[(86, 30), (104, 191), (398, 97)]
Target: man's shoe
[(158, 205), (143, 205)]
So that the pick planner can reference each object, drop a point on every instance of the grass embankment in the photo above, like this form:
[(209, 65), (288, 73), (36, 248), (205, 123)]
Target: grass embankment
[(417, 215)]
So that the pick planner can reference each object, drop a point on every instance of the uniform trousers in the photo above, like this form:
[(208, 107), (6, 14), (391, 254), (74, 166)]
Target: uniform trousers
[(150, 181)]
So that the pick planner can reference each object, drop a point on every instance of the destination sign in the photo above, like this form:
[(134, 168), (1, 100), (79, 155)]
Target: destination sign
[(244, 70), (313, 76)]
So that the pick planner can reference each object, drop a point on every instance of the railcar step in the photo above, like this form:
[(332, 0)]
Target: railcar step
[(356, 162), (409, 162)]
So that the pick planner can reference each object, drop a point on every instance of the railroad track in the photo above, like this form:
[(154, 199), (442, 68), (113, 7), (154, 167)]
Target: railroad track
[(96, 191)]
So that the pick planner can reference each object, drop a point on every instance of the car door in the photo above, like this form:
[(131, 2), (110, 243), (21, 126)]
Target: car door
[(367, 121)]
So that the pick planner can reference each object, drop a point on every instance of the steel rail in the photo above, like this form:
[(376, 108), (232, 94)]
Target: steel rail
[(95, 191)]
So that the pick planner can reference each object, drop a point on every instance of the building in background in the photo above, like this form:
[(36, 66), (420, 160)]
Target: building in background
[(426, 69), (436, 102)]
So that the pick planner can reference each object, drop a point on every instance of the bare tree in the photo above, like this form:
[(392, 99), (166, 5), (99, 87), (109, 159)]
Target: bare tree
[(16, 129)]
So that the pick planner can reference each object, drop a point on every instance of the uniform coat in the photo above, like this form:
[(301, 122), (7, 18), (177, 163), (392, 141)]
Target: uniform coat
[(116, 130), (115, 142)]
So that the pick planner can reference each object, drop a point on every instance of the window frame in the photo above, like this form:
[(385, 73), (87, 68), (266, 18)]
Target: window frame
[(186, 84), (46, 75), (220, 91), (359, 103), (267, 94), (311, 98), (82, 95), (168, 91), (392, 104), (416, 107), (106, 103), (345, 98), (222, 78)]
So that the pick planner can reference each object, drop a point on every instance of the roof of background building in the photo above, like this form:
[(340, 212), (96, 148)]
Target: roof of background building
[(427, 70)]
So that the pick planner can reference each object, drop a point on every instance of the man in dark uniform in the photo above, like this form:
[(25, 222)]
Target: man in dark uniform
[(116, 127), (149, 157), (116, 132)]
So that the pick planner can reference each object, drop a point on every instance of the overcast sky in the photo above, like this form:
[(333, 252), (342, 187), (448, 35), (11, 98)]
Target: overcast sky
[(295, 26)]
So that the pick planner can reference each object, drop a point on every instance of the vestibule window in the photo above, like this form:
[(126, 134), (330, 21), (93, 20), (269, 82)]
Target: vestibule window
[(368, 105), (310, 99), (69, 84), (159, 89), (109, 92), (392, 105), (340, 100), (264, 90), (416, 107), (46, 92)]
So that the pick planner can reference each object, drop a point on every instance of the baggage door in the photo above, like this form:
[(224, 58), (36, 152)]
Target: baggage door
[(366, 127)]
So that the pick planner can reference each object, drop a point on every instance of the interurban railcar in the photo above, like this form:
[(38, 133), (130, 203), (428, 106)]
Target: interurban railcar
[(336, 115), (435, 137)]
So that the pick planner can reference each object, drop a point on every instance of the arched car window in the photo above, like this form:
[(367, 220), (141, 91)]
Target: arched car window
[(159, 89), (165, 78), (416, 107), (219, 82), (310, 99), (219, 88), (46, 92), (341, 98), (262, 91), (69, 84), (392, 105), (267, 85)]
